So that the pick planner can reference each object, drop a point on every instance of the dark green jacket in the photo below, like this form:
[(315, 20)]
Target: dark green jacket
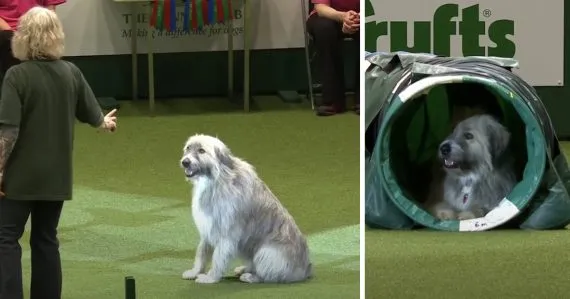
[(44, 98)]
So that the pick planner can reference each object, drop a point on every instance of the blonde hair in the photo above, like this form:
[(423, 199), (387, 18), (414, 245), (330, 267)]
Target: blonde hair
[(39, 36)]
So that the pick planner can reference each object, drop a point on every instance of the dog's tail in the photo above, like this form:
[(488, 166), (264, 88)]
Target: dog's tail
[(309, 272)]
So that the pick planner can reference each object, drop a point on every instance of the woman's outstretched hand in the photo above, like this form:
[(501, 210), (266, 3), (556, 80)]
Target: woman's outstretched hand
[(110, 121)]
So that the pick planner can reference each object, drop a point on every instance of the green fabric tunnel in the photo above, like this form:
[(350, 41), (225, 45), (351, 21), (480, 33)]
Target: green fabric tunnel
[(409, 104)]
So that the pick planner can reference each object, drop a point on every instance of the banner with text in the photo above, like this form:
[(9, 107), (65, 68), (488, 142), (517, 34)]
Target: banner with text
[(530, 31), (103, 27)]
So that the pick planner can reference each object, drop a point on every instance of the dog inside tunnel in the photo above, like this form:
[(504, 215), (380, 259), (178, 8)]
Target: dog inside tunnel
[(425, 121)]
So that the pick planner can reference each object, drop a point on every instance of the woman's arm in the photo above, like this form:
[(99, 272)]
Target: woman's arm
[(10, 117), (8, 138), (51, 4), (4, 25), (328, 12)]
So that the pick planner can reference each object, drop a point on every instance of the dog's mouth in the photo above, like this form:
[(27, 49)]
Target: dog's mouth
[(190, 172), (450, 164)]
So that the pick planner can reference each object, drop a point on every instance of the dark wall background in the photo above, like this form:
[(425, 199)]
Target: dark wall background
[(200, 74)]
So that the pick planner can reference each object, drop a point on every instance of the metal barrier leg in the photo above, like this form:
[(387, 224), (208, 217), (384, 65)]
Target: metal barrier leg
[(230, 59), (151, 99), (246, 52), (307, 56), (134, 61)]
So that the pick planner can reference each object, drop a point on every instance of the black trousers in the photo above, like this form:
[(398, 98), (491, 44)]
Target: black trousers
[(328, 38), (46, 263), (6, 58)]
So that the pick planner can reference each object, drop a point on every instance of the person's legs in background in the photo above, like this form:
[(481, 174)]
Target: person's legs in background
[(46, 279), (13, 217), (327, 36)]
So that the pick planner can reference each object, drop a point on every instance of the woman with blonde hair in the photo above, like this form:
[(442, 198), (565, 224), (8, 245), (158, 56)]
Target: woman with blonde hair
[(41, 98)]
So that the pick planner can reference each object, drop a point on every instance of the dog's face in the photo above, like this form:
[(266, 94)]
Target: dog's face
[(474, 145), (204, 156)]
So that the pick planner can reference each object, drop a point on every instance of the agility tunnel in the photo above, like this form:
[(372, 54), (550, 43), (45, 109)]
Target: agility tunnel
[(410, 99)]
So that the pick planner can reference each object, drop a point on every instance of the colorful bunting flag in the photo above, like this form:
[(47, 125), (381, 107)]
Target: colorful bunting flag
[(211, 12), (166, 13), (231, 14), (173, 15), (219, 10), (197, 13), (160, 14), (154, 12), (194, 15), (186, 15)]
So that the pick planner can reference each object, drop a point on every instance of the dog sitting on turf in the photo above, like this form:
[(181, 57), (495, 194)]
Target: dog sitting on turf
[(237, 216), (476, 172)]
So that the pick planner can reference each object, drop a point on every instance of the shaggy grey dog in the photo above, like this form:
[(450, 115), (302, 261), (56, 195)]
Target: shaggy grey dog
[(477, 171), (237, 216)]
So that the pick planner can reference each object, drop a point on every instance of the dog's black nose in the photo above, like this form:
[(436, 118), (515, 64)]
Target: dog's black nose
[(186, 163), (445, 149)]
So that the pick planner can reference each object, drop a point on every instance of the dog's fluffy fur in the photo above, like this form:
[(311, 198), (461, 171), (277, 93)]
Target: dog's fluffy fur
[(474, 173), (237, 216)]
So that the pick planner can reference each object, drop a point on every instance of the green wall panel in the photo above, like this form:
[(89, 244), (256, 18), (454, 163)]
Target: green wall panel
[(202, 73)]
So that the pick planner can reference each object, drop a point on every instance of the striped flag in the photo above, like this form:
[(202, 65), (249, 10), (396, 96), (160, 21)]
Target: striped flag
[(186, 15), (194, 15), (197, 13), (154, 12), (166, 11), (159, 14), (231, 14), (211, 11), (200, 13), (173, 15)]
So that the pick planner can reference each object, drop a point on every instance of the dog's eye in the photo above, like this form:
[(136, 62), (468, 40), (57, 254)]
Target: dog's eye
[(468, 136), (201, 151)]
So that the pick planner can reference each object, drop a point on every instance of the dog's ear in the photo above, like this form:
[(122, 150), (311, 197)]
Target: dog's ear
[(225, 157), (499, 138)]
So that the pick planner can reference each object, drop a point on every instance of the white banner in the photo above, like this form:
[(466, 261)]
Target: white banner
[(530, 31), (102, 27)]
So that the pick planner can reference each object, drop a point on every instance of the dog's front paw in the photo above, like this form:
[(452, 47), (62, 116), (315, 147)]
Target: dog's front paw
[(205, 278), (445, 214), (240, 270), (190, 274), (249, 278), (466, 215)]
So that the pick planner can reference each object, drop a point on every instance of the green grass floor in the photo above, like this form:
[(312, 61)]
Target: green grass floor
[(495, 264), (130, 214)]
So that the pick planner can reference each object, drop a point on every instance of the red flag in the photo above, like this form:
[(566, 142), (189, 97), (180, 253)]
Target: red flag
[(231, 9), (167, 15), (194, 15), (153, 15), (204, 12), (220, 10)]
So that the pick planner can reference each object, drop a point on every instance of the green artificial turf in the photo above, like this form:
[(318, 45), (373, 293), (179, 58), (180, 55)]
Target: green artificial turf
[(502, 264), (130, 214)]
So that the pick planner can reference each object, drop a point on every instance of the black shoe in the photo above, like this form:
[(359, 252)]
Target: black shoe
[(329, 110)]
